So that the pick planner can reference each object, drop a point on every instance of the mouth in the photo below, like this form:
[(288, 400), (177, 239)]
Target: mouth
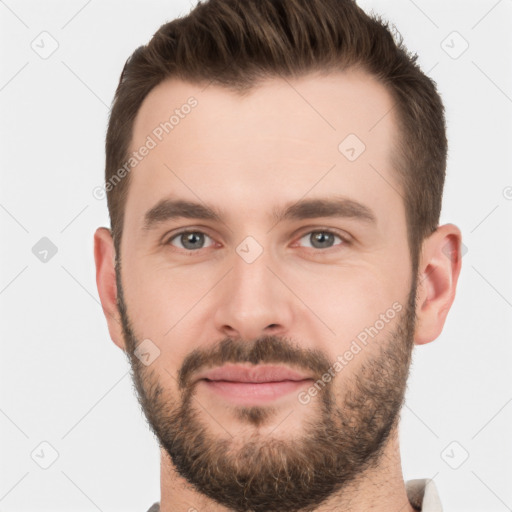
[(252, 385)]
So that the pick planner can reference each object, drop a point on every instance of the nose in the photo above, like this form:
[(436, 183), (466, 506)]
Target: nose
[(253, 302)]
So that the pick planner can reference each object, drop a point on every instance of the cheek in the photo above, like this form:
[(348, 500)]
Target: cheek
[(165, 304), (161, 292), (345, 290), (350, 301)]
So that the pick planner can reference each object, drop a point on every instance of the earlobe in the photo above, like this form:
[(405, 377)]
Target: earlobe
[(439, 269), (104, 257)]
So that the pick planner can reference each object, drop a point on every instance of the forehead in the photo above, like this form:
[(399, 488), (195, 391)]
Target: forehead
[(284, 139)]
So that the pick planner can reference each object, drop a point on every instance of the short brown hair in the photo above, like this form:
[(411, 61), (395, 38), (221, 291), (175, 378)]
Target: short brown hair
[(237, 43)]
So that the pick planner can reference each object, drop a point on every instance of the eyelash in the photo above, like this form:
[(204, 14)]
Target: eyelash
[(344, 239)]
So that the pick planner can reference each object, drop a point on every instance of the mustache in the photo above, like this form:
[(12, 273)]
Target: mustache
[(264, 350)]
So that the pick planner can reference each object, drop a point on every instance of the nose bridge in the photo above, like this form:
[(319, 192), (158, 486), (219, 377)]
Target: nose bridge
[(251, 278), (252, 281), (253, 302)]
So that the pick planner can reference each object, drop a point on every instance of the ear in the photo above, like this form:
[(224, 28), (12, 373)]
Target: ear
[(104, 256), (438, 273)]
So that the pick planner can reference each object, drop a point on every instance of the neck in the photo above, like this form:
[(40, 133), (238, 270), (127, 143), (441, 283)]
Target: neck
[(379, 489)]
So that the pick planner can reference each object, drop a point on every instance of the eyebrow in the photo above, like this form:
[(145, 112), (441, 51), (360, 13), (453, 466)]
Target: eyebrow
[(342, 207)]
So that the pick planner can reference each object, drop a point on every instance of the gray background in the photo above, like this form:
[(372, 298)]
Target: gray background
[(65, 384)]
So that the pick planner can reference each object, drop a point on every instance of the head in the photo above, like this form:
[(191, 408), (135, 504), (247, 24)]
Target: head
[(288, 215)]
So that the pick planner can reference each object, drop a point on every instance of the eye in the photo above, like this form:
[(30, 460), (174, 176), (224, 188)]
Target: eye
[(321, 239), (189, 240)]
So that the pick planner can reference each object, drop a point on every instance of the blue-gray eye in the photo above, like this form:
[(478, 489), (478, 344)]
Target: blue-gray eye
[(321, 239), (189, 240)]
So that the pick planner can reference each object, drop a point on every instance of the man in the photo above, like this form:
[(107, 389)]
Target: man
[(274, 175)]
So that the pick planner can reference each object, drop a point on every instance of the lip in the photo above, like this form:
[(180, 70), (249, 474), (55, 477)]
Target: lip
[(244, 385), (254, 374)]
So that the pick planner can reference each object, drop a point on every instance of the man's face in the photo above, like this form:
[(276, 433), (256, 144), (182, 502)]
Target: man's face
[(326, 289)]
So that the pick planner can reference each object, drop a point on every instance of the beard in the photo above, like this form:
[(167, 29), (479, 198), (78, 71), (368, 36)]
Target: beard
[(261, 473)]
